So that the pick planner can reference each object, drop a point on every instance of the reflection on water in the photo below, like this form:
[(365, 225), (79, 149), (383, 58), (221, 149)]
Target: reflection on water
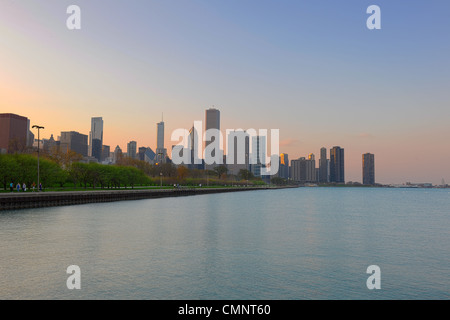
[(307, 243)]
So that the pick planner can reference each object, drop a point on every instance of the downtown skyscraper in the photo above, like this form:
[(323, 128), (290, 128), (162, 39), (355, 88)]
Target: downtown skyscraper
[(337, 165), (284, 166), (238, 151), (323, 166), (74, 141), (258, 154), (96, 138), (14, 132), (132, 149), (161, 152), (212, 121)]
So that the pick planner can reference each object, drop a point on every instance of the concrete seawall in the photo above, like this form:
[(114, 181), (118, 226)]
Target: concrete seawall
[(14, 201)]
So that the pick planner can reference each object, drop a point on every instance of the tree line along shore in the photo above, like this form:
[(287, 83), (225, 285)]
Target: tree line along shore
[(66, 173)]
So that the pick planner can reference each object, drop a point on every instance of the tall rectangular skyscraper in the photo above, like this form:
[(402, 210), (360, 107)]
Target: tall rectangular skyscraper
[(298, 170), (132, 149), (311, 168), (212, 121), (238, 151), (161, 152), (160, 135), (258, 154), (13, 132), (106, 152), (284, 166), (368, 167), (323, 166), (74, 141), (96, 138), (337, 165)]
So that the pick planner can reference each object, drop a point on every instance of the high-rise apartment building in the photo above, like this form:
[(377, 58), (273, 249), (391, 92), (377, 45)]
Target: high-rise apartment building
[(368, 168), (311, 168), (298, 170), (323, 166), (337, 165), (284, 166)]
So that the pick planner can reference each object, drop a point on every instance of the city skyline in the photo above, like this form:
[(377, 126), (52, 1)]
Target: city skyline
[(335, 172), (314, 72)]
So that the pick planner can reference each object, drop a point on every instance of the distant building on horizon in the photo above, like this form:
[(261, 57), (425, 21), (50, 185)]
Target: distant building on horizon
[(337, 165), (51, 145), (368, 168), (96, 138), (74, 141)]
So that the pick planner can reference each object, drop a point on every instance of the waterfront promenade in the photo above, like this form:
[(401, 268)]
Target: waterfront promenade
[(13, 201)]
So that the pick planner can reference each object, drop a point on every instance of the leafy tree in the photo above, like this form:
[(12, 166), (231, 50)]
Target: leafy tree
[(63, 159), (278, 181), (245, 174), (79, 174), (182, 172), (9, 170), (220, 170)]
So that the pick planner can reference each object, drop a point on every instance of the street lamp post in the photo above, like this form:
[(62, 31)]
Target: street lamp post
[(38, 128), (160, 173)]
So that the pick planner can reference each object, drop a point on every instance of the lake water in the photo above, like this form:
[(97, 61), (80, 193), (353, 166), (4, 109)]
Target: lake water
[(305, 243)]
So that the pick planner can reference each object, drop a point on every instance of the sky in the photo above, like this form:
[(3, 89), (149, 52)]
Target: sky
[(309, 68)]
